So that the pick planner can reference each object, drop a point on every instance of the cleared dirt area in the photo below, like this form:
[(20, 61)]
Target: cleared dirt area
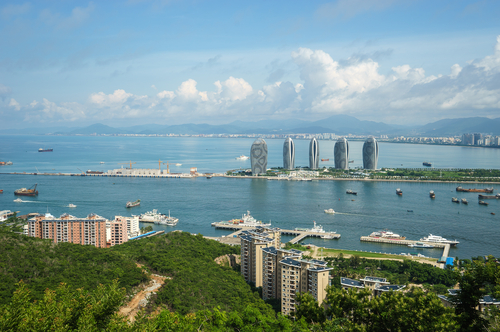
[(140, 299)]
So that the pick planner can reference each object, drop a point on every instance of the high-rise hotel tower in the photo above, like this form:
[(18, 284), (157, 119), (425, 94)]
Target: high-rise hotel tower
[(314, 154), (370, 153), (288, 154), (341, 154), (258, 157)]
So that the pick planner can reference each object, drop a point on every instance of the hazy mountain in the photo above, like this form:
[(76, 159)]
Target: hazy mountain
[(452, 127)]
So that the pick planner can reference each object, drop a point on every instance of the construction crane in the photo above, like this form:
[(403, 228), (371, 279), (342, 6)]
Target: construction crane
[(160, 163), (128, 163)]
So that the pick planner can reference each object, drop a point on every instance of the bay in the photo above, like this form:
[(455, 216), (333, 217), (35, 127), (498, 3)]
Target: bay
[(288, 204)]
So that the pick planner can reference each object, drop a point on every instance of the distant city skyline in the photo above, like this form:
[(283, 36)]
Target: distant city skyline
[(140, 62)]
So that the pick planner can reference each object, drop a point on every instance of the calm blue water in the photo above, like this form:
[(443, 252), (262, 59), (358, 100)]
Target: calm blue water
[(288, 204)]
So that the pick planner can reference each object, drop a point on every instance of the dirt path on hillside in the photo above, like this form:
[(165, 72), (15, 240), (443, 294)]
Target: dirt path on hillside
[(140, 299)]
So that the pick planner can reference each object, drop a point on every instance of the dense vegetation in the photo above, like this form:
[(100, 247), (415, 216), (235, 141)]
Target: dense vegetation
[(43, 264), (197, 281)]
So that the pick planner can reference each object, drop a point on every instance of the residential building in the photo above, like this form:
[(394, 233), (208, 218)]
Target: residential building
[(288, 154), (370, 153), (341, 153), (314, 154), (132, 225), (477, 139), (378, 286), (118, 232), (67, 228), (485, 302), (258, 157), (271, 256), (252, 243)]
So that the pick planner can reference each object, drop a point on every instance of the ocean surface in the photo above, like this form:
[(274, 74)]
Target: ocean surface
[(287, 204)]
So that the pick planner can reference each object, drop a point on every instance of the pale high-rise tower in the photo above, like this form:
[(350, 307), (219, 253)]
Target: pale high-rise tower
[(289, 154), (341, 154), (370, 153), (314, 154), (258, 157)]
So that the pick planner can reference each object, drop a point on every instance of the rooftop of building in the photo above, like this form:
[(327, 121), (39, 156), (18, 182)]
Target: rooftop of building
[(374, 279), (351, 283), (290, 262)]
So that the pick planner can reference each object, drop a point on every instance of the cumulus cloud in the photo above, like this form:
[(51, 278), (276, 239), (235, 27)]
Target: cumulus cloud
[(352, 86)]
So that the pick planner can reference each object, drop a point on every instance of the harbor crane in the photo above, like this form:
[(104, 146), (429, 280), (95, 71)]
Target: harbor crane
[(128, 163)]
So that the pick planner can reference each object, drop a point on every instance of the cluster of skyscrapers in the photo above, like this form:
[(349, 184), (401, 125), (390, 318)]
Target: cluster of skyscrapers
[(281, 273), (480, 140), (258, 154)]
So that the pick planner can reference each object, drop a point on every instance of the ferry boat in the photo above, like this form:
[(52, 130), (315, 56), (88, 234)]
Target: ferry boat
[(432, 194), (246, 220), (330, 211), (438, 239), (455, 200), (351, 192), (387, 235), (45, 150), (483, 203), (399, 192), (420, 245), (27, 192), (464, 201), (133, 204), (242, 157), (473, 190)]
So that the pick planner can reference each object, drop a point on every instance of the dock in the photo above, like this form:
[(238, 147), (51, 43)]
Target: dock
[(445, 246), (299, 235)]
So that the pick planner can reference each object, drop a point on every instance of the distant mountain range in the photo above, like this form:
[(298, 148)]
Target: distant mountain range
[(338, 124)]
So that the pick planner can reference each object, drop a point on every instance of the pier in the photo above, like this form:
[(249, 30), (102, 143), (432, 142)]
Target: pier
[(299, 235), (445, 246)]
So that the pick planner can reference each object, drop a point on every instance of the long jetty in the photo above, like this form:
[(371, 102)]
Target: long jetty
[(299, 235), (445, 246)]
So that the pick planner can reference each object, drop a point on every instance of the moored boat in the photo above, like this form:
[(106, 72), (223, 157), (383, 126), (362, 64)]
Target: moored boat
[(133, 204), (325, 159), (399, 192), (45, 150), (455, 200), (473, 190), (438, 239), (27, 192), (387, 235), (464, 201), (351, 192), (246, 220), (432, 194), (483, 203), (420, 245), (497, 196), (425, 163)]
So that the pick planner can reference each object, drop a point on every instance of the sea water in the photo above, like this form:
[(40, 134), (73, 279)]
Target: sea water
[(198, 202)]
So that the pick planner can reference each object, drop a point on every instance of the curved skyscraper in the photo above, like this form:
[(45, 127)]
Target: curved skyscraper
[(288, 154), (370, 153), (258, 157), (341, 154), (314, 154)]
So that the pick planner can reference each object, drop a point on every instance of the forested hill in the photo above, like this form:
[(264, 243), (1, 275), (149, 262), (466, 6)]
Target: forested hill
[(42, 264)]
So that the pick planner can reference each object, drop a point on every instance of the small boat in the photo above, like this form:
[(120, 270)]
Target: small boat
[(325, 159), (420, 245), (1, 191), (493, 213), (102, 162), (27, 192), (330, 211), (209, 176), (483, 203), (464, 201), (18, 200), (45, 150), (133, 204), (71, 205), (351, 192), (242, 157), (409, 210), (455, 200), (432, 194), (425, 163), (178, 164), (399, 192)]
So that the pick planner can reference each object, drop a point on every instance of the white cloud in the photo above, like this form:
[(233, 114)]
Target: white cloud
[(353, 86), (13, 103)]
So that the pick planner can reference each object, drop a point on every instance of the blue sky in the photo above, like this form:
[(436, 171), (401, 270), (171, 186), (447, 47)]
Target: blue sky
[(74, 63)]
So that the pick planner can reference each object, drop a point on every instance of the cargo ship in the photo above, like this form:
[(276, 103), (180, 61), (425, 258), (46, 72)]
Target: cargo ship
[(473, 190), (497, 196), (45, 150), (27, 192), (133, 204), (94, 172), (425, 163)]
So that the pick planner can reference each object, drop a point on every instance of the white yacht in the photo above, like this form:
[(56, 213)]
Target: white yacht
[(330, 211), (18, 200), (387, 235), (71, 205), (438, 239), (242, 157)]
